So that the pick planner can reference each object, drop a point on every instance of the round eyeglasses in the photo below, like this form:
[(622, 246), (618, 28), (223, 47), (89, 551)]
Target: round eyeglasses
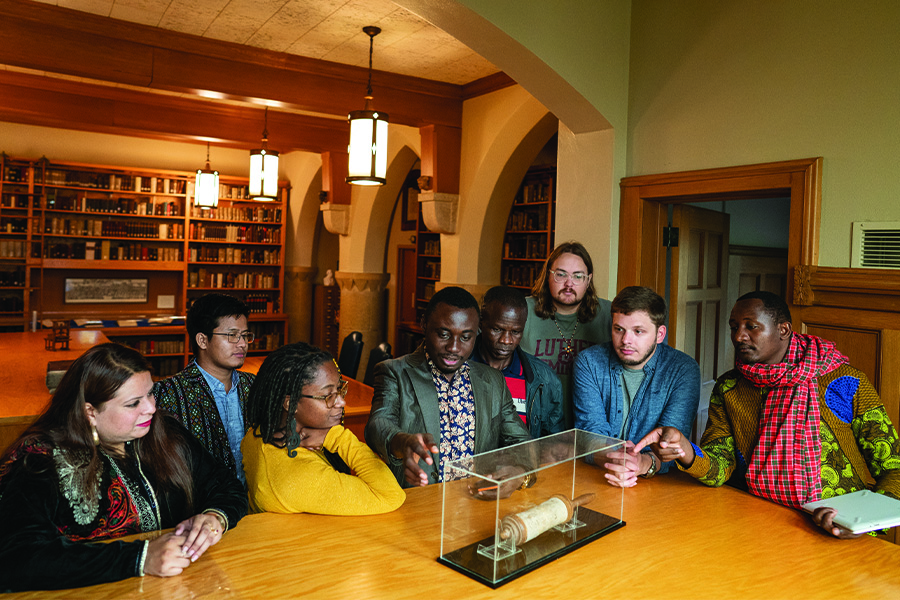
[(235, 336), (331, 398), (561, 276)]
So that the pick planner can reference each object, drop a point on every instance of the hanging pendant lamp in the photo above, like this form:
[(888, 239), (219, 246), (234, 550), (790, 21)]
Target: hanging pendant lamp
[(368, 135), (206, 186), (264, 168)]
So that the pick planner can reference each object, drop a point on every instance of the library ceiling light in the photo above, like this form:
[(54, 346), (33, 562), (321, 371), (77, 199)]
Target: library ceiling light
[(368, 136), (264, 168), (206, 187)]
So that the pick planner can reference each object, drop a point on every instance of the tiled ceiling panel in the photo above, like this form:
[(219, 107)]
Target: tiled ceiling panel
[(323, 29)]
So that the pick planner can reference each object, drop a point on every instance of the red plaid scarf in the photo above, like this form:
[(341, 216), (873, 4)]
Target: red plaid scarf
[(786, 464)]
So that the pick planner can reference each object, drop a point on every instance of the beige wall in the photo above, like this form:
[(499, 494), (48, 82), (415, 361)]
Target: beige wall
[(726, 83), (572, 57)]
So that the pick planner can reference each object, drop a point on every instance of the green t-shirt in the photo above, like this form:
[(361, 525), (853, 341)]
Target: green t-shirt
[(542, 338), (631, 383)]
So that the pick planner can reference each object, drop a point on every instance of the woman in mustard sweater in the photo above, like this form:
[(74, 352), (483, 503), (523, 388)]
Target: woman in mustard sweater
[(297, 455)]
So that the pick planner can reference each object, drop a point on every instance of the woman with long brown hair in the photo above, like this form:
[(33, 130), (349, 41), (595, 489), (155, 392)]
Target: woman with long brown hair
[(101, 463)]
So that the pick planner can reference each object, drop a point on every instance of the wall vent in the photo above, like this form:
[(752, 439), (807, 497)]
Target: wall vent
[(875, 245)]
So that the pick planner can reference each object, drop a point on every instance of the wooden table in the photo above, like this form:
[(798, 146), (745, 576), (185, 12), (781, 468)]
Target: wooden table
[(682, 540), (23, 375)]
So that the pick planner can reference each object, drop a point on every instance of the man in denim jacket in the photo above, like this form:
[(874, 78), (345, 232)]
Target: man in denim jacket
[(635, 383)]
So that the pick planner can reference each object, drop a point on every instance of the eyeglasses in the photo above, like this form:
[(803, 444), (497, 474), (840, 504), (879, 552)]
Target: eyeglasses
[(331, 398), (235, 336), (561, 276)]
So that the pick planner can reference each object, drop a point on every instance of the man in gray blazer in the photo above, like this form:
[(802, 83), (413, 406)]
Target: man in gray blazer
[(434, 405)]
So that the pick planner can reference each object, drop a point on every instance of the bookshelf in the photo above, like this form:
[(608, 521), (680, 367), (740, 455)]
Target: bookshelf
[(95, 222), (20, 201), (529, 235), (421, 280)]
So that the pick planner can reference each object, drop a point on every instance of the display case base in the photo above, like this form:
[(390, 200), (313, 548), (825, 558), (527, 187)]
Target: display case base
[(470, 560)]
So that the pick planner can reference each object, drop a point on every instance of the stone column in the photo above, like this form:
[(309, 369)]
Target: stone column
[(363, 305), (298, 302)]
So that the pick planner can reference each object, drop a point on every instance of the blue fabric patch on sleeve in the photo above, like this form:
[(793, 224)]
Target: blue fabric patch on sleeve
[(697, 450), (839, 397)]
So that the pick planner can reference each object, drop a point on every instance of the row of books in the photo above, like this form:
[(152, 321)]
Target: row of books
[(260, 304), (533, 247), (13, 225), (13, 278), (13, 201), (159, 207), (521, 275), (535, 192), (11, 304), (431, 247), (15, 175), (13, 248), (235, 233), (204, 278), (166, 367), (527, 221), (151, 346), (107, 250), (238, 213), (233, 255), (110, 181), (431, 269), (117, 228)]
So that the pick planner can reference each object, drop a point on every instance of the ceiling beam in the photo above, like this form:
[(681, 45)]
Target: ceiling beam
[(51, 102), (57, 40)]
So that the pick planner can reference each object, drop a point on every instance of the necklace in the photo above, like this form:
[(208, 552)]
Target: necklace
[(568, 352)]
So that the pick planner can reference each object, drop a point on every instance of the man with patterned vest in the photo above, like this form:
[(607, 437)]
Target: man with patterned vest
[(210, 394), (793, 422)]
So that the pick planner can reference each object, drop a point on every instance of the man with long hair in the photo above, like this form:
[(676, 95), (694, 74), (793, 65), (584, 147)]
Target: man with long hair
[(209, 396), (565, 315)]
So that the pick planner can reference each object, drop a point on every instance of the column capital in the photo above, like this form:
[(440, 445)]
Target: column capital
[(336, 217), (300, 274), (363, 282), (439, 211)]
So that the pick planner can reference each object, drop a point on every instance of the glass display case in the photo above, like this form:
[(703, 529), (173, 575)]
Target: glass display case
[(509, 511)]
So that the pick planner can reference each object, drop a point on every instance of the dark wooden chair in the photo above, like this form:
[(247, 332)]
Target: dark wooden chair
[(379, 353), (351, 354)]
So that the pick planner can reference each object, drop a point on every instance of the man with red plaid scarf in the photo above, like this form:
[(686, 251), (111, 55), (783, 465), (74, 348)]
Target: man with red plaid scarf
[(793, 422)]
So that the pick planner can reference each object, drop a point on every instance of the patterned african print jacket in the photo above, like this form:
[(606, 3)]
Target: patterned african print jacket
[(860, 447), (187, 396), (48, 525)]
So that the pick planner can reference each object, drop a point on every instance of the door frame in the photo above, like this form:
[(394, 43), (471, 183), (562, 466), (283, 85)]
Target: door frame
[(643, 213)]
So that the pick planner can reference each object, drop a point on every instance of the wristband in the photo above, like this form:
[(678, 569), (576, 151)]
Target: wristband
[(219, 515), (143, 558)]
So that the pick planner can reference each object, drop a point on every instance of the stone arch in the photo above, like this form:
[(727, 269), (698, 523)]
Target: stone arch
[(363, 250), (492, 190)]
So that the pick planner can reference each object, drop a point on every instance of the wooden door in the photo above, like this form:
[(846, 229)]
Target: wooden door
[(406, 284), (697, 303)]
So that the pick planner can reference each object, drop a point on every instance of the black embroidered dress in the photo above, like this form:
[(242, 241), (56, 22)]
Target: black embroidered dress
[(47, 526)]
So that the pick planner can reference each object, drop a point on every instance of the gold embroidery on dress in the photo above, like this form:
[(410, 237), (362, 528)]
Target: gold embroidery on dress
[(72, 471)]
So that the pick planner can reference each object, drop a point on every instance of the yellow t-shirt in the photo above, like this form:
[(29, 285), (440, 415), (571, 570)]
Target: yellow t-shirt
[(308, 483)]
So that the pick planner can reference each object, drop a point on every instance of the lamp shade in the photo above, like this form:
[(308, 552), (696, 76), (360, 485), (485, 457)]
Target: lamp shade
[(263, 174), (368, 147), (206, 188)]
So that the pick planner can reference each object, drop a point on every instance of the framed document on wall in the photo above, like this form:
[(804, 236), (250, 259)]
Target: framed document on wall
[(105, 291)]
